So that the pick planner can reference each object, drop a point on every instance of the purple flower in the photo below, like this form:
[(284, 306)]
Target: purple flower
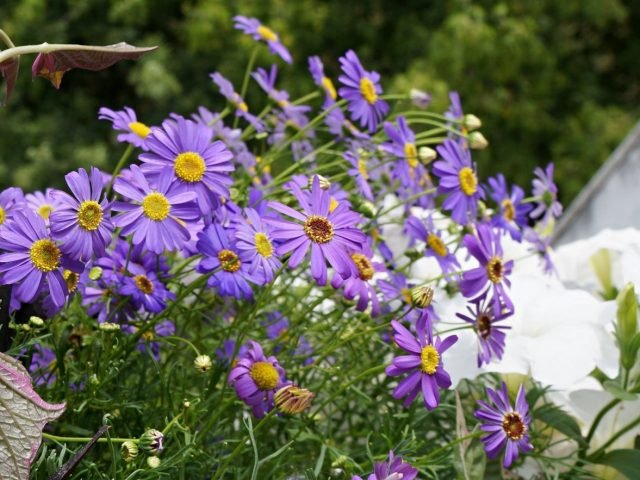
[(31, 260), (242, 110), (396, 288), (230, 274), (458, 182), (455, 112), (228, 352), (393, 469), (256, 247), (147, 342), (507, 427), (512, 216), (491, 337), (424, 231), (424, 363), (541, 245), (155, 216), (360, 173), (126, 121), (256, 378), (43, 365), (200, 166), (42, 203), (331, 236), (492, 272), (362, 90), (320, 79), (82, 222), (546, 191), (11, 199), (253, 27), (146, 291), (278, 330), (361, 285), (403, 146)]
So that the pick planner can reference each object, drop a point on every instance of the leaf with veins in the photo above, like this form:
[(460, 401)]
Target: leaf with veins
[(23, 415)]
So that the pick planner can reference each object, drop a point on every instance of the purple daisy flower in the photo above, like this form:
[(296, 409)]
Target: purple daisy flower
[(256, 378), (126, 121), (230, 274), (397, 289), (330, 236), (362, 90), (42, 203), (546, 191), (320, 79), (360, 173), (255, 245), (242, 110), (491, 337), (43, 365), (11, 199), (403, 146), (424, 363), (492, 272), (541, 245), (200, 166), (507, 427), (228, 352), (147, 342), (146, 291), (425, 231), (458, 181), (361, 284), (393, 469), (278, 330), (82, 224), (155, 216), (513, 214), (31, 260), (253, 27)]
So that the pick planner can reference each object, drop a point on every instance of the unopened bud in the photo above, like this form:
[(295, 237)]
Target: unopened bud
[(37, 322), (325, 184), (419, 98), (427, 155), (203, 363), (477, 141), (109, 327), (95, 273), (129, 451), (153, 462), (292, 399), (422, 296), (152, 441), (471, 122)]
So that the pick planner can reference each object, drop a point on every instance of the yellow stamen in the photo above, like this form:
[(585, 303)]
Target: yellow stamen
[(411, 154), (265, 375), (71, 278), (144, 284), (436, 244), (45, 210), (327, 84), (495, 269), (468, 181), (3, 215), (430, 359), (514, 426), (333, 204), (362, 168), (267, 34), (156, 206), (368, 90), (242, 106), (229, 261), (263, 245), (44, 254), (190, 167), (365, 267), (318, 229), (140, 129), (509, 212), (90, 215)]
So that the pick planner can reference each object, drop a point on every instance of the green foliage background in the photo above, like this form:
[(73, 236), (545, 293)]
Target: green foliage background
[(551, 81)]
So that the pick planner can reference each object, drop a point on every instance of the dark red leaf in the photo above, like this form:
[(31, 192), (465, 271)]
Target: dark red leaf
[(9, 69)]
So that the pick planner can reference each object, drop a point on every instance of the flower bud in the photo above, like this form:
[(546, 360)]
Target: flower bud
[(109, 327), (477, 141), (325, 184), (427, 155), (129, 451), (420, 98), (292, 399), (153, 462), (422, 296), (203, 363), (36, 322), (152, 441), (471, 122), (95, 273)]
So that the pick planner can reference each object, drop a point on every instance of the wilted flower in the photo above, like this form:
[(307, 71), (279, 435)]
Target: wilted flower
[(152, 441), (203, 363), (292, 399)]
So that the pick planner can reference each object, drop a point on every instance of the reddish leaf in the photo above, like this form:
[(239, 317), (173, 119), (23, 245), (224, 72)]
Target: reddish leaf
[(23, 415), (9, 70), (60, 59)]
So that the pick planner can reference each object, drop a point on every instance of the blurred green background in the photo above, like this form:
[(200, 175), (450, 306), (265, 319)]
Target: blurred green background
[(551, 80)]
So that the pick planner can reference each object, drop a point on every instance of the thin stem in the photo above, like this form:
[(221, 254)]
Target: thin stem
[(613, 438), (245, 80), (119, 165), (57, 438), (6, 39)]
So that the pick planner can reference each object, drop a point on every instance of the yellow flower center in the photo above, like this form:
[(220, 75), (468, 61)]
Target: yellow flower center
[(411, 154), (156, 206), (509, 212), (362, 168), (144, 284), (406, 295), (365, 268), (90, 215), (267, 34), (263, 245), (265, 375), (3, 215), (436, 244), (318, 229), (190, 167), (140, 129), (327, 84), (368, 90), (242, 106), (44, 254), (333, 204), (149, 336), (483, 325), (514, 426), (430, 359), (468, 181), (45, 210), (72, 280), (495, 269), (229, 261)]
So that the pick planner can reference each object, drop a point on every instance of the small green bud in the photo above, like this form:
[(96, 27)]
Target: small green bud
[(95, 273), (129, 451), (427, 155), (203, 363), (109, 327), (422, 296), (601, 264), (292, 399), (153, 462), (477, 141), (471, 122), (325, 184), (152, 441), (627, 325), (37, 322)]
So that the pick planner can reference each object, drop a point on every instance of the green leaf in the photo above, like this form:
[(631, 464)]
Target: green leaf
[(626, 461), (627, 324), (560, 420), (617, 391)]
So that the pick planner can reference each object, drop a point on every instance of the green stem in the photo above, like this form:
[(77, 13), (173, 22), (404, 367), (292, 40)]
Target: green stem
[(119, 165), (57, 438), (453, 443), (594, 456), (245, 80), (6, 39)]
